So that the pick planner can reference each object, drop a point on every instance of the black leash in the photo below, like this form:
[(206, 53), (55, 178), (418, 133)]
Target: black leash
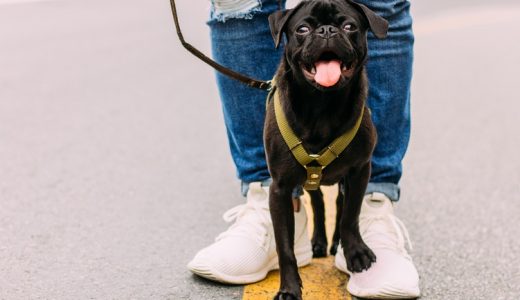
[(259, 84)]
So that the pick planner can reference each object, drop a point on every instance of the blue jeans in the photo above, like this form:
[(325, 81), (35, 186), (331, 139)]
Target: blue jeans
[(241, 40)]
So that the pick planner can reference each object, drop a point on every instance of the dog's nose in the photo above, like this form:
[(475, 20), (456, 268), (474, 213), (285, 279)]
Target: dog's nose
[(327, 31)]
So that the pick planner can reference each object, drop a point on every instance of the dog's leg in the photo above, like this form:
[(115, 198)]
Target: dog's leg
[(319, 235), (282, 214), (337, 227), (359, 257)]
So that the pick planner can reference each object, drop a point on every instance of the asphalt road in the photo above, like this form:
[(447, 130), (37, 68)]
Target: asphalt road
[(107, 190)]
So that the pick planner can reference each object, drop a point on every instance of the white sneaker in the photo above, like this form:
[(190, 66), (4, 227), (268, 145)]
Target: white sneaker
[(393, 275), (246, 252)]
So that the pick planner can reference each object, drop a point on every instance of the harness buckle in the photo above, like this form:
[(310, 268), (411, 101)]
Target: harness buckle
[(314, 175)]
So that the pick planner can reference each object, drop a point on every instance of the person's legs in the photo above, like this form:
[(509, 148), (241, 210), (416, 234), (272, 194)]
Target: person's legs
[(241, 40), (389, 70)]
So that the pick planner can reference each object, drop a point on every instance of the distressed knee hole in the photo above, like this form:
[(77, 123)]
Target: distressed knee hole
[(223, 10)]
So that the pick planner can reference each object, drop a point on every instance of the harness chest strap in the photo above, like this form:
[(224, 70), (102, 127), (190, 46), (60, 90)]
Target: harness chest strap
[(324, 158)]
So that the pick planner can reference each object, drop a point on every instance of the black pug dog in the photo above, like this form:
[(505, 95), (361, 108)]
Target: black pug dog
[(322, 87)]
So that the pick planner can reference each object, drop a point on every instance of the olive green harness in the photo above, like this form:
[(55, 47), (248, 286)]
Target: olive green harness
[(324, 158)]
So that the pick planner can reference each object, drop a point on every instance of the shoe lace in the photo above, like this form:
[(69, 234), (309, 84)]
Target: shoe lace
[(251, 221), (395, 238)]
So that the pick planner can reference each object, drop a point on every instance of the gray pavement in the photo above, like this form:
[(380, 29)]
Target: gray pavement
[(106, 190)]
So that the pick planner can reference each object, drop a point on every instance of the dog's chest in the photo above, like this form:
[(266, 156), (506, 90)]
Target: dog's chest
[(356, 153)]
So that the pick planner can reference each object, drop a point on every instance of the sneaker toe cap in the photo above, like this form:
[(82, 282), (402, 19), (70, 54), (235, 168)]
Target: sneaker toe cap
[(391, 276), (220, 262)]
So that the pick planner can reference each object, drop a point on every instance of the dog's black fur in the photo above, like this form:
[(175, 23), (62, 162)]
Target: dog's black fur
[(318, 115)]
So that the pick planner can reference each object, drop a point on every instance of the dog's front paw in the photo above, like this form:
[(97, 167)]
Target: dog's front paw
[(287, 296), (319, 248), (359, 257)]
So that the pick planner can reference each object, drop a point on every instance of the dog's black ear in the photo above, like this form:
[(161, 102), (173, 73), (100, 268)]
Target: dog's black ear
[(378, 25), (277, 22)]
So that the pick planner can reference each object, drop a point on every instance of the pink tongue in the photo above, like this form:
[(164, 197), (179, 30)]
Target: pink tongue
[(328, 72)]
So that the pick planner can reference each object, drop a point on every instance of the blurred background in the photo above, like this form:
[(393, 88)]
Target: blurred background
[(106, 191)]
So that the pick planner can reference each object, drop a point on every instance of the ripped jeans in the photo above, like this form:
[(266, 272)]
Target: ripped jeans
[(241, 40)]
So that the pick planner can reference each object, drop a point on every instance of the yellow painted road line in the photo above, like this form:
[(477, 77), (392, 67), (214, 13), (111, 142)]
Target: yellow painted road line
[(321, 280)]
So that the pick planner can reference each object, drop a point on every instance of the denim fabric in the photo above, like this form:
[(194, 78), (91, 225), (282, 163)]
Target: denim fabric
[(245, 45), (241, 40), (391, 190), (389, 70)]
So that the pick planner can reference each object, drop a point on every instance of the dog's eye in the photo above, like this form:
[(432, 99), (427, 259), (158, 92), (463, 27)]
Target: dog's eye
[(303, 29), (349, 27)]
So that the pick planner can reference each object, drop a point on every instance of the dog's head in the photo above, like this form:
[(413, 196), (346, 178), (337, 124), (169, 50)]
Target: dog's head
[(326, 40)]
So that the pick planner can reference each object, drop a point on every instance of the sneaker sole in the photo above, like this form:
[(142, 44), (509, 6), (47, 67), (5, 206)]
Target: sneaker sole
[(390, 293), (303, 258)]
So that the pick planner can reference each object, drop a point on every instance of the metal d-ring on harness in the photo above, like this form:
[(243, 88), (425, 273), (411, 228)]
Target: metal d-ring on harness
[(325, 157)]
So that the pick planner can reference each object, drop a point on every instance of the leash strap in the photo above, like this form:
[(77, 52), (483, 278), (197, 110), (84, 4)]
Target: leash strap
[(324, 158), (259, 84)]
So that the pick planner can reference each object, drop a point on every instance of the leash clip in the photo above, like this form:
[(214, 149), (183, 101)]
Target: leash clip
[(269, 84)]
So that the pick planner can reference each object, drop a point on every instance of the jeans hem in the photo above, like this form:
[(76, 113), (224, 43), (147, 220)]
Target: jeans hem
[(391, 190)]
